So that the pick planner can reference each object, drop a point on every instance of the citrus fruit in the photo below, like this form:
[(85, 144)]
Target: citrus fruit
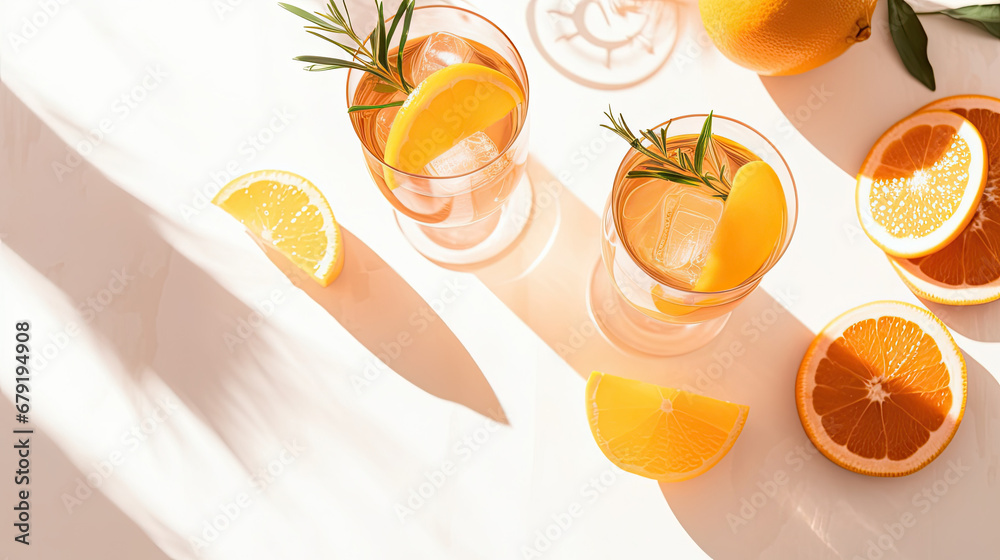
[(779, 37), (447, 107), (881, 390), (967, 270), (750, 228), (290, 213), (657, 432), (921, 183)]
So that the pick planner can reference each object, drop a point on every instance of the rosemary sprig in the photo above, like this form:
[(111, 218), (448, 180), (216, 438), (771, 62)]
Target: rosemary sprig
[(370, 56), (678, 167)]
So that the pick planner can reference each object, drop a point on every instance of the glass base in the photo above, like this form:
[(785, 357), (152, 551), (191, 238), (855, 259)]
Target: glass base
[(631, 330), (475, 242)]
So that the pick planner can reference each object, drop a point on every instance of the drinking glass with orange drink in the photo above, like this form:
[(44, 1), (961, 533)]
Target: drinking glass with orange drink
[(701, 208), (442, 118)]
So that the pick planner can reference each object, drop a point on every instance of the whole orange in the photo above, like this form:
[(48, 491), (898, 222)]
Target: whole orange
[(781, 37)]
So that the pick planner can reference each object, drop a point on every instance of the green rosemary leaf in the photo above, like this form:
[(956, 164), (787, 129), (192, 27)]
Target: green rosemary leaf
[(383, 54), (384, 88), (704, 139), (395, 20), (686, 162), (651, 136), (370, 55), (336, 62), (356, 108), (347, 13), (349, 50), (911, 42), (665, 175), (304, 14), (679, 169), (410, 4), (373, 45)]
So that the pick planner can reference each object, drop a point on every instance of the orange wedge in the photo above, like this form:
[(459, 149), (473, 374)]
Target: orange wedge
[(287, 211), (749, 230), (967, 270), (447, 107), (921, 183), (881, 390), (657, 432)]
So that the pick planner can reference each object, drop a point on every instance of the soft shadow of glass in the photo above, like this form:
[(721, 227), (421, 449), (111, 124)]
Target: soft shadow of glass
[(775, 496), (544, 278), (844, 106), (387, 316), (977, 322), (605, 44)]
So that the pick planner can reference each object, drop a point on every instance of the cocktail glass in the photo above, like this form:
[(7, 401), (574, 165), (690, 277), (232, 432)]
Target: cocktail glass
[(634, 305), (453, 217)]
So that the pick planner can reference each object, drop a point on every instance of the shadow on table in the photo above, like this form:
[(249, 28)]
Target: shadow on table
[(776, 497), (843, 107), (395, 324), (607, 45), (978, 322), (151, 309), (97, 529), (773, 495), (157, 316)]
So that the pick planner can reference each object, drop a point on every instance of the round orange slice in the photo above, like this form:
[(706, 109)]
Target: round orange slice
[(658, 432), (921, 183), (967, 270), (881, 390)]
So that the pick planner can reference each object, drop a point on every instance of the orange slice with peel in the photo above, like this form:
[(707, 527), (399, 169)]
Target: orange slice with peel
[(749, 230), (657, 432), (447, 107), (881, 390), (287, 211), (967, 270), (921, 183)]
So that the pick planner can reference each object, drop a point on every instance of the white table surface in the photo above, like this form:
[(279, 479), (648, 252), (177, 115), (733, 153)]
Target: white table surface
[(169, 281)]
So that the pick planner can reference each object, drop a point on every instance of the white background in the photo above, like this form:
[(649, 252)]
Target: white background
[(292, 394)]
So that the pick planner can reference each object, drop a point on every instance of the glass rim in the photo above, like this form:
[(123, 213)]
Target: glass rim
[(775, 256), (501, 153)]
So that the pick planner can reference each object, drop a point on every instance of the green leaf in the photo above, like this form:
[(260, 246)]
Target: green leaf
[(984, 17), (664, 174), (372, 42), (703, 140), (356, 108), (383, 44), (349, 50), (400, 13), (410, 4), (333, 6), (911, 42), (338, 63), (686, 161), (304, 14)]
